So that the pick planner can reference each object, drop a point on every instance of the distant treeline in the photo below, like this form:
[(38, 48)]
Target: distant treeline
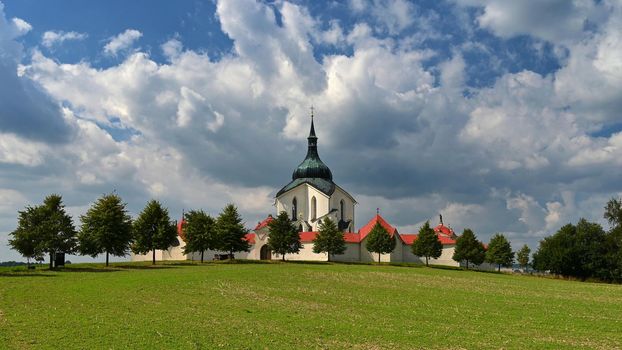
[(585, 250)]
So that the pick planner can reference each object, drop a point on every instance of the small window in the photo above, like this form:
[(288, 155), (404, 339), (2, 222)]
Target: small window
[(342, 209), (313, 208), (294, 209)]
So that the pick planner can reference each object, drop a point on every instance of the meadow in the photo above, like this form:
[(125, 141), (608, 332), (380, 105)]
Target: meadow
[(182, 305)]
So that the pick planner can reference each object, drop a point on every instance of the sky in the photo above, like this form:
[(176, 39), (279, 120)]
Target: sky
[(501, 116)]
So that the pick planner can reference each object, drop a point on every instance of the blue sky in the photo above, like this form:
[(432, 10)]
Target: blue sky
[(502, 116)]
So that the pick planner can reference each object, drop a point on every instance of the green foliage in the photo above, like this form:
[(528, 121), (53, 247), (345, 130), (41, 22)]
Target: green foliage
[(380, 241), (153, 230), (27, 239), (200, 232), (329, 239), (230, 231), (284, 238), (613, 212), (469, 249), (577, 251), (106, 228), (427, 243), (499, 251), (522, 256)]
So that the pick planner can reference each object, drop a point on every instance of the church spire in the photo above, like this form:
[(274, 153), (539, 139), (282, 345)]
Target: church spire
[(312, 166), (312, 131)]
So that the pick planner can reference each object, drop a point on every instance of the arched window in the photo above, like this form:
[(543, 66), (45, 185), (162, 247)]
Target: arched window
[(294, 209), (313, 208), (342, 209)]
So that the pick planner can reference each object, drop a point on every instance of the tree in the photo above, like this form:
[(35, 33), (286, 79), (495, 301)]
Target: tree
[(380, 241), (523, 256), (578, 251), (468, 248), (329, 240), (613, 212), (284, 237), (27, 238), (427, 243), (200, 232), (499, 252), (230, 231), (153, 229), (106, 228), (57, 229)]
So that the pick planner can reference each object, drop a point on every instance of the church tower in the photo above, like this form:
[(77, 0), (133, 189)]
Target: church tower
[(312, 195)]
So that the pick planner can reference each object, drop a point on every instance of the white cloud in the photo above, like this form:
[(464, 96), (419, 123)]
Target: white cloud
[(122, 41), (51, 38), (21, 27)]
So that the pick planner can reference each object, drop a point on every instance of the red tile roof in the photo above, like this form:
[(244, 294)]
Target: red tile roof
[(250, 238), (365, 230), (309, 236), (352, 237), (264, 223), (409, 238), (180, 229), (447, 231)]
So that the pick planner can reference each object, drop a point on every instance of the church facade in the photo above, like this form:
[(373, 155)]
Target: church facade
[(310, 197)]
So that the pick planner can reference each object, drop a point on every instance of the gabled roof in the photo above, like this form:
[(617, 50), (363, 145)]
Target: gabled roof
[(325, 186), (447, 231), (308, 237), (180, 229), (409, 238), (263, 223), (250, 238), (365, 230)]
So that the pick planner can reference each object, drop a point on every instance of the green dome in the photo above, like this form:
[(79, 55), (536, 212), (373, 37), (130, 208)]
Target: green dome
[(312, 166)]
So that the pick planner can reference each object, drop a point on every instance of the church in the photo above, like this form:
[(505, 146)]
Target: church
[(310, 197)]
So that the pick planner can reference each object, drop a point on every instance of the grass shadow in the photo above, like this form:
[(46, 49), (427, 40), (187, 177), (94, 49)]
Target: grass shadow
[(143, 267), (25, 274), (85, 269)]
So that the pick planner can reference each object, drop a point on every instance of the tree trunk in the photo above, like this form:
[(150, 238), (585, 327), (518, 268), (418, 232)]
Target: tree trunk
[(106, 259), (28, 263), (328, 257), (378, 258), (51, 260), (202, 251), (499, 268), (467, 264), (283, 257), (426, 261), (153, 257)]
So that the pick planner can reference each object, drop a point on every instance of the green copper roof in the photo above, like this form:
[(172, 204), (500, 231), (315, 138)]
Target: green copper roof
[(312, 170), (312, 166), (325, 186)]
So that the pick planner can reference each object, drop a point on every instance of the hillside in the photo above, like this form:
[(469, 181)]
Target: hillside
[(297, 305)]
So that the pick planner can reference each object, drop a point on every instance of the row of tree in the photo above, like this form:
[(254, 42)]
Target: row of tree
[(585, 250), (284, 239), (107, 228)]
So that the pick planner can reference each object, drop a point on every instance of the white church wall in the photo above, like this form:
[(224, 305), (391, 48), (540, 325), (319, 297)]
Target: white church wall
[(335, 200), (322, 205), (284, 202), (147, 257), (352, 254), (396, 254), (306, 253)]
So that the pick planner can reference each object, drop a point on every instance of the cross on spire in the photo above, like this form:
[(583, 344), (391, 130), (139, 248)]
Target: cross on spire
[(377, 211), (311, 111)]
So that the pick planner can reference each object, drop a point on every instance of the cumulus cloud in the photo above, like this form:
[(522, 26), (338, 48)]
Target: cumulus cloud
[(122, 41), (26, 110), (52, 38), (398, 123)]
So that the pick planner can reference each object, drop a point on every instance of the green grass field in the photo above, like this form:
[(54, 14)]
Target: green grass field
[(296, 306)]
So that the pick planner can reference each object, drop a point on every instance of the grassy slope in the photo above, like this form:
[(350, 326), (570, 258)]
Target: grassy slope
[(302, 306)]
